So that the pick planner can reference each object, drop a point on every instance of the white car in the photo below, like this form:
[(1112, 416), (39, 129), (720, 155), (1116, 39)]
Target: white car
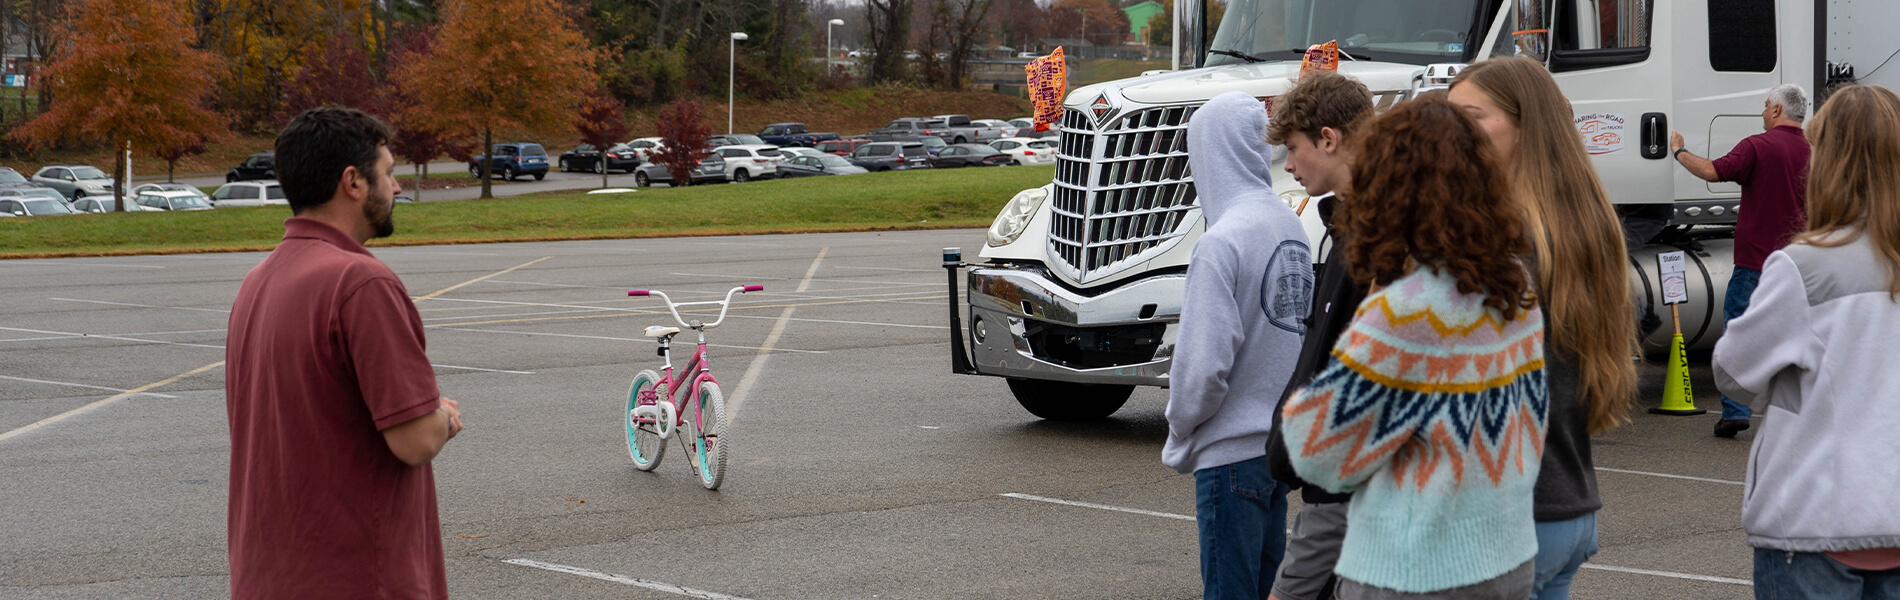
[(169, 187), (105, 204), (1027, 151), (249, 193), (751, 161), (645, 147), (172, 201)]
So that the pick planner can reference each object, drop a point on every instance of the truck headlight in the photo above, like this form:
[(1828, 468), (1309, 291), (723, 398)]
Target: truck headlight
[(1294, 199), (1015, 217)]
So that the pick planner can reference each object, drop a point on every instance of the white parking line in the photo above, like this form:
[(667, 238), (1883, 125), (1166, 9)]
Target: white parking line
[(40, 339), (613, 339), (765, 278), (1100, 506), (485, 370), (215, 310), (1710, 578), (81, 385), (114, 398), (651, 585), (753, 370), (889, 269), (585, 308), (843, 322), (75, 264), (1629, 472), (110, 337)]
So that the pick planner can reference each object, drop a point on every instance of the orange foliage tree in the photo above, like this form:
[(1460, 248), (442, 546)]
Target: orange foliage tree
[(135, 81), (519, 66)]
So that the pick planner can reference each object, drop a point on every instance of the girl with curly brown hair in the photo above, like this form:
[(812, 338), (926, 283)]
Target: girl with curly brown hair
[(1433, 413)]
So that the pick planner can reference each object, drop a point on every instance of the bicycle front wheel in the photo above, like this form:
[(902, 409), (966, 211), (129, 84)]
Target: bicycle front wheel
[(707, 422), (643, 439)]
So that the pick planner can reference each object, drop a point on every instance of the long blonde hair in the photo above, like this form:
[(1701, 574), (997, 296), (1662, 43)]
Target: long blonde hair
[(1853, 181), (1583, 269)]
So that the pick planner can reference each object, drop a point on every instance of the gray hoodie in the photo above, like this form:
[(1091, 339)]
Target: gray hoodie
[(1248, 286)]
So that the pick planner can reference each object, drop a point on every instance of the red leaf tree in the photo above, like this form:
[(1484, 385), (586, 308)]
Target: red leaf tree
[(339, 76), (173, 152), (136, 81), (601, 125), (415, 143), (683, 135)]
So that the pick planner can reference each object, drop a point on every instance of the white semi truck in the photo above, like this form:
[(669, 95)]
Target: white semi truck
[(1076, 295)]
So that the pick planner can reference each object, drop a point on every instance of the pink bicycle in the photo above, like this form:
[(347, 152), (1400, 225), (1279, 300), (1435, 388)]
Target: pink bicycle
[(660, 406)]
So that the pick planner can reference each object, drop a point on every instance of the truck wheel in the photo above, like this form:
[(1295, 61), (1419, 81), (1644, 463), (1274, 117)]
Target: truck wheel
[(961, 140), (1064, 401)]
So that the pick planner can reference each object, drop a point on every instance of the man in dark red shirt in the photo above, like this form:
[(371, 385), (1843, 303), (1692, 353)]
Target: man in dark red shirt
[(333, 406), (1772, 167)]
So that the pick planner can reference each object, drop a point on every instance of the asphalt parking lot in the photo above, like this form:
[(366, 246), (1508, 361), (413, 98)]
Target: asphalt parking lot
[(860, 466)]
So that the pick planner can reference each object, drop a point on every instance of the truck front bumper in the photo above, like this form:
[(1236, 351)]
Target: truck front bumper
[(1025, 325)]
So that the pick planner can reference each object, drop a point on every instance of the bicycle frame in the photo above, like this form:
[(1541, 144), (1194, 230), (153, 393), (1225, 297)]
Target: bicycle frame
[(699, 367)]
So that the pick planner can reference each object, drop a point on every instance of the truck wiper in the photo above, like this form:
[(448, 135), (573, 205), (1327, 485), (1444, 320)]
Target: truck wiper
[(1302, 52), (1246, 57)]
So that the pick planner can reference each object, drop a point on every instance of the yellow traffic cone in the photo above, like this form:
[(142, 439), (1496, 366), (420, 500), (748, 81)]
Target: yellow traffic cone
[(1677, 399)]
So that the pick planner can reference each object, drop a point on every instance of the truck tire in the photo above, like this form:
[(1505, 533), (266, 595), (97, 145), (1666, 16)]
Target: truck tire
[(1064, 401)]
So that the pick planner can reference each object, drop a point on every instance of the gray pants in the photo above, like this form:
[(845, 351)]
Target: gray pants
[(1510, 586), (1306, 573)]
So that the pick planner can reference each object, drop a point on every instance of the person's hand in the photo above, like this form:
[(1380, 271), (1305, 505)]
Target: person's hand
[(1675, 141), (453, 410)]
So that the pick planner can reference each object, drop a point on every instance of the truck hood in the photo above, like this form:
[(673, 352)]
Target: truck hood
[(1260, 80)]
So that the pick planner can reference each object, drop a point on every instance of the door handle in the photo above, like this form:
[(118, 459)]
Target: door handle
[(1655, 135)]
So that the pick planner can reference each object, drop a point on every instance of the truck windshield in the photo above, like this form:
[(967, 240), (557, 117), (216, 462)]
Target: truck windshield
[(1416, 32)]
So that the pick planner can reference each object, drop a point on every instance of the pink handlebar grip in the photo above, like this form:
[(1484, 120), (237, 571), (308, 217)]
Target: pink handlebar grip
[(752, 288), (636, 292)]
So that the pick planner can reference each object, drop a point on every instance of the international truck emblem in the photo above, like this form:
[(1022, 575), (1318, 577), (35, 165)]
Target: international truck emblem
[(1101, 108)]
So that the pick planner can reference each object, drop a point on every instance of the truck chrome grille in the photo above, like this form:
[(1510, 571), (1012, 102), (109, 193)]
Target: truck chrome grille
[(1123, 192)]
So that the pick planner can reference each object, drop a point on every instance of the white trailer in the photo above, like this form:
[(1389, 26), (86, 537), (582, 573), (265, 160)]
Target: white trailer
[(1077, 293)]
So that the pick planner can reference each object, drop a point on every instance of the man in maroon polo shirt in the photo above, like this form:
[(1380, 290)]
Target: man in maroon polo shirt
[(1772, 167), (333, 406)]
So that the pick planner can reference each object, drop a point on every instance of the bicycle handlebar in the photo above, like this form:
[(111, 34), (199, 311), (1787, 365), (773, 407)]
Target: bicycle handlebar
[(674, 307)]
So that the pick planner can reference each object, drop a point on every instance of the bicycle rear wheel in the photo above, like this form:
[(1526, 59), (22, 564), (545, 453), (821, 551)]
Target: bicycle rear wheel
[(706, 434), (643, 439)]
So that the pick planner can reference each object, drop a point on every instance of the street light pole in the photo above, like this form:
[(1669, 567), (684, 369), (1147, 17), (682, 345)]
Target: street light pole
[(732, 52), (828, 25)]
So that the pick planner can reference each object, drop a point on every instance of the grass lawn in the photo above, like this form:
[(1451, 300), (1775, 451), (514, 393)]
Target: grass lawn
[(928, 199)]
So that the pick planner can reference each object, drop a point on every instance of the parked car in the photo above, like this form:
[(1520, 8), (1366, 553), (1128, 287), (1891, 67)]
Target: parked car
[(512, 160), (10, 177), (262, 165), (911, 126), (169, 187), (172, 201), (933, 144), (645, 147), (102, 204), (1026, 127), (1003, 128), (249, 193), (823, 164), (710, 169), (749, 162), (793, 134), (1027, 151), (887, 156), (963, 131), (32, 191), (19, 204), (75, 181), (969, 155), (735, 139), (586, 157), (795, 151), (842, 147)]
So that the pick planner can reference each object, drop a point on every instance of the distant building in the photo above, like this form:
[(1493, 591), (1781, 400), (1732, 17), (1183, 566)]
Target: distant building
[(17, 49), (1138, 16)]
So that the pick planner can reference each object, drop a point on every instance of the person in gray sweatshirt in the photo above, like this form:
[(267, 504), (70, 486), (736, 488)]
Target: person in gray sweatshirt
[(1249, 282)]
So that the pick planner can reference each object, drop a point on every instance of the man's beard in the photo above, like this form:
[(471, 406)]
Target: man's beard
[(385, 224)]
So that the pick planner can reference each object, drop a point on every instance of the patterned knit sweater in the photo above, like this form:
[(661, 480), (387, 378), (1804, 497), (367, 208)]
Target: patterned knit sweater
[(1433, 415)]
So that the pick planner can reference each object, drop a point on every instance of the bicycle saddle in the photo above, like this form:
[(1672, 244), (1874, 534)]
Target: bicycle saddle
[(662, 331)]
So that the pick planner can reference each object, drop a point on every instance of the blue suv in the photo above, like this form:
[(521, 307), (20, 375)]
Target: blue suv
[(512, 160)]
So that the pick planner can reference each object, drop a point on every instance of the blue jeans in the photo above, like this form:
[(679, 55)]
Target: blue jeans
[(1562, 548), (1783, 575), (1741, 286), (1242, 515)]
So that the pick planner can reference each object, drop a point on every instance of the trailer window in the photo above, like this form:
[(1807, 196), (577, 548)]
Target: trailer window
[(1573, 35), (1742, 35)]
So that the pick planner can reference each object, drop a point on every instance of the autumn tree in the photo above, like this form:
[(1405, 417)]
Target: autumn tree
[(524, 73), (601, 125), (136, 82), (175, 151), (415, 143), (339, 76), (683, 136)]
